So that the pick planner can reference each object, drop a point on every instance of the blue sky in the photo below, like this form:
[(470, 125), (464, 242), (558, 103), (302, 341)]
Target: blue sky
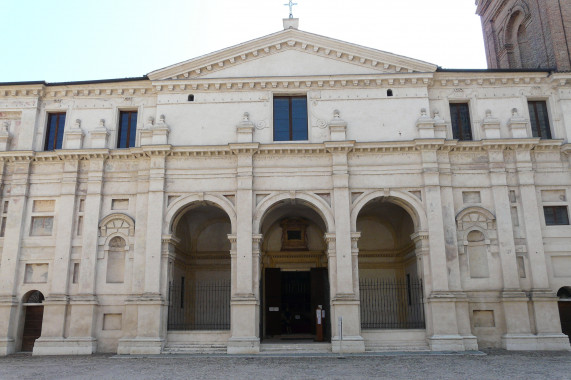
[(71, 40)]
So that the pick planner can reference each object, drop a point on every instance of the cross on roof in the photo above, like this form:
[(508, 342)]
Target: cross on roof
[(290, 4)]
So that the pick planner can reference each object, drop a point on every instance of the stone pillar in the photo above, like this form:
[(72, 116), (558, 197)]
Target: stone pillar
[(345, 302), (543, 300), (244, 304), (514, 300), (441, 301), (150, 337), (52, 341), (84, 305), (9, 266)]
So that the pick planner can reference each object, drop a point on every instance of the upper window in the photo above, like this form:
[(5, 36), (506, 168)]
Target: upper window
[(460, 115), (290, 118), (556, 215), (539, 119), (54, 131), (127, 129)]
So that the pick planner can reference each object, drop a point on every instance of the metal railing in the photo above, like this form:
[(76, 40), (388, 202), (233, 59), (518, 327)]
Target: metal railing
[(391, 304), (203, 306)]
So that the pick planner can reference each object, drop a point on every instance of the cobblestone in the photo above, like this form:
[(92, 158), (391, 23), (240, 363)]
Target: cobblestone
[(497, 364)]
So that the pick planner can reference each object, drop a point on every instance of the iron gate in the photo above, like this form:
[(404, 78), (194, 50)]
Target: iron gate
[(203, 306), (391, 304)]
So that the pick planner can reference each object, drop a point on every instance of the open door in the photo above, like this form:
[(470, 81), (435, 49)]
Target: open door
[(272, 306), (32, 327)]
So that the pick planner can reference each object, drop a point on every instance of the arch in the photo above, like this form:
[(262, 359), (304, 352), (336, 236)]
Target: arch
[(33, 296), (315, 202), (125, 227), (407, 201), (178, 208), (518, 18), (475, 215), (564, 293)]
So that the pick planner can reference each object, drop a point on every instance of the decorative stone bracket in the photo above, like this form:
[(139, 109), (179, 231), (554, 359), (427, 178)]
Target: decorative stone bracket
[(518, 125), (99, 136), (338, 127), (5, 136), (245, 129), (491, 126), (155, 133), (74, 136)]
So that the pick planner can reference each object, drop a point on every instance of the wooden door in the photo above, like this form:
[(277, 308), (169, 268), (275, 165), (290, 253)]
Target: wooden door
[(32, 326), (273, 301), (565, 315), (320, 296)]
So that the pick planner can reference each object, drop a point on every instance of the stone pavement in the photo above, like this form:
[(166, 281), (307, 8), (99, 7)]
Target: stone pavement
[(496, 364)]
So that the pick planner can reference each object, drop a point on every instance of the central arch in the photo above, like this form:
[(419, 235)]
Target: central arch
[(294, 279)]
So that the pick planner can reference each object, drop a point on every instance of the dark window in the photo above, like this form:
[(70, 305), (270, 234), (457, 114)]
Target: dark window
[(539, 119), (127, 129), (191, 98), (54, 131), (389, 92), (556, 215), (290, 118), (460, 115), (294, 235)]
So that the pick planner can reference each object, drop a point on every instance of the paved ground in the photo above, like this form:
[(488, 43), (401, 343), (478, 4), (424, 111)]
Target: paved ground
[(488, 365)]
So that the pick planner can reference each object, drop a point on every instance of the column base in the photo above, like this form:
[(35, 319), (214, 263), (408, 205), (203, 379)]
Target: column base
[(140, 346), (243, 345), (447, 343), (349, 345), (470, 343), (7, 346), (541, 342), (62, 346)]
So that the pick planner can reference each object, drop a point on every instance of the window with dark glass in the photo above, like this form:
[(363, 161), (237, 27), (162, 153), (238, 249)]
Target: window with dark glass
[(460, 116), (127, 129), (539, 119), (556, 215), (290, 118), (54, 131)]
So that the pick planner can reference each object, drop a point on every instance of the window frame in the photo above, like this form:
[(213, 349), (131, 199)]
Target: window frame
[(547, 119), (291, 131), (130, 127), (461, 131), (556, 222), (50, 114)]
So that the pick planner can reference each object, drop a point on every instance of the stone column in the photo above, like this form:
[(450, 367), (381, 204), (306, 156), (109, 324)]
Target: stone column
[(345, 302), (441, 301), (151, 316), (56, 303), (84, 305), (514, 300), (544, 301), (245, 305), (9, 267)]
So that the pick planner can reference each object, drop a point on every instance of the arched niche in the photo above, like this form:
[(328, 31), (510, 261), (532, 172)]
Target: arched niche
[(33, 319)]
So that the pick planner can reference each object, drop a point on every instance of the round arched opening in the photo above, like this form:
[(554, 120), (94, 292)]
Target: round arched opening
[(33, 318), (390, 287), (564, 304), (199, 286), (294, 278)]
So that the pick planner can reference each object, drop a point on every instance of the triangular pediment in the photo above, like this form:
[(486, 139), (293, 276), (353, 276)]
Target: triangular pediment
[(294, 53)]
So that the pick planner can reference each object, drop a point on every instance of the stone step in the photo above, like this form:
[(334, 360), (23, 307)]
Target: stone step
[(189, 348), (279, 348), (396, 348)]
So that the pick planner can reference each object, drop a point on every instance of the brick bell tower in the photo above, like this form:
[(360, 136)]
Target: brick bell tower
[(527, 34)]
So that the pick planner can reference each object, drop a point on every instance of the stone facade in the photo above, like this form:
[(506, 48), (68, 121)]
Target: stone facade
[(528, 34), (381, 190)]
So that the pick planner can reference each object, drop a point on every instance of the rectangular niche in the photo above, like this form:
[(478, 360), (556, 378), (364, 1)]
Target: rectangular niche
[(119, 204), (42, 226), (36, 273), (553, 196), (112, 321), (471, 197), (44, 206), (561, 266), (521, 266), (484, 318)]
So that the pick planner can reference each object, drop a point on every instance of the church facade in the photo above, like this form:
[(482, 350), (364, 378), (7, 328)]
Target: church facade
[(220, 203)]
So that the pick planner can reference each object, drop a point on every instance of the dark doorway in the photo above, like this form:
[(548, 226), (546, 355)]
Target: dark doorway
[(291, 300), (32, 326), (564, 295)]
